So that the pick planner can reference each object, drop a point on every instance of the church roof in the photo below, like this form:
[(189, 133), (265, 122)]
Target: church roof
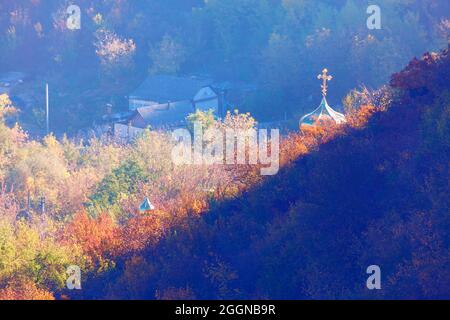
[(146, 206), (323, 113)]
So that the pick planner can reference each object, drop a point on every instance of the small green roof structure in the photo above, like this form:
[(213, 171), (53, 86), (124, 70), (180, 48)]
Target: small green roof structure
[(324, 112), (146, 206)]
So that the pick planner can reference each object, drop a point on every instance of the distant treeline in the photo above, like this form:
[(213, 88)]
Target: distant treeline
[(280, 45)]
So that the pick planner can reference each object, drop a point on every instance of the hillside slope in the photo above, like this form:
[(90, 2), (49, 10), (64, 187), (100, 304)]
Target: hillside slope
[(376, 195)]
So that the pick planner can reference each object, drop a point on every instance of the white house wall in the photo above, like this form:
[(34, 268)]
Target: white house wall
[(207, 105)]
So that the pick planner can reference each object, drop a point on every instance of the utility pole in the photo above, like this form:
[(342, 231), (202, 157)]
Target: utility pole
[(47, 109)]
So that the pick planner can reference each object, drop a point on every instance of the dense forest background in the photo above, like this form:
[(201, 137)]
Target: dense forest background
[(277, 45), (372, 191)]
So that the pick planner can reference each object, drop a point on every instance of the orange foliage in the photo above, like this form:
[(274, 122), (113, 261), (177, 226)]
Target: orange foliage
[(96, 237), (187, 193), (360, 118), (296, 145), (25, 290), (140, 232)]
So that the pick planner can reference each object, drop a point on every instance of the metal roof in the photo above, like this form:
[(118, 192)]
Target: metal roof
[(164, 88), (166, 114)]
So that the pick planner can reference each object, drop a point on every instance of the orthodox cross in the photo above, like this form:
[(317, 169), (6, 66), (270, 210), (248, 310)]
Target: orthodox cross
[(325, 77)]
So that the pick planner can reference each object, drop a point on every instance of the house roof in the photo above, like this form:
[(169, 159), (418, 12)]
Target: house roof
[(12, 76), (164, 88), (235, 86), (9, 80), (164, 115)]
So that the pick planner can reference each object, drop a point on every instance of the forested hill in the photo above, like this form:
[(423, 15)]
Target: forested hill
[(375, 195)]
